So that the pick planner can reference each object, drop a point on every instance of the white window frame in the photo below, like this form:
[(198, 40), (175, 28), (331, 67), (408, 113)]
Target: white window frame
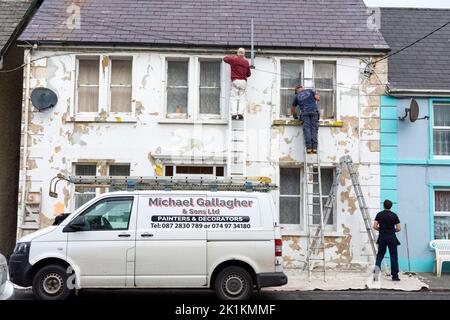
[(293, 229), (109, 73), (284, 88), (439, 213), (104, 103), (193, 103), (308, 80), (188, 87), (446, 128)]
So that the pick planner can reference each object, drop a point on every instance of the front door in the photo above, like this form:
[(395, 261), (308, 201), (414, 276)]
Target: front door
[(104, 248), (170, 247)]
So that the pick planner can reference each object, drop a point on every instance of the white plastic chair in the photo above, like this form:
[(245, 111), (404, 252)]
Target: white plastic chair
[(442, 249)]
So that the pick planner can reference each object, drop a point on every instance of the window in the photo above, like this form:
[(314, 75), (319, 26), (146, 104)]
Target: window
[(291, 76), (83, 194), (121, 85), (324, 84), (109, 214), (290, 196), (210, 90), (119, 170), (177, 89), (327, 175), (442, 214), (441, 129), (88, 84), (203, 171)]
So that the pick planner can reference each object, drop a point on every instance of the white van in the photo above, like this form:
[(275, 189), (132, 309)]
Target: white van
[(228, 241)]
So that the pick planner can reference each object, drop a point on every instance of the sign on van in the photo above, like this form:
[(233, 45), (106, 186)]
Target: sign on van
[(204, 212)]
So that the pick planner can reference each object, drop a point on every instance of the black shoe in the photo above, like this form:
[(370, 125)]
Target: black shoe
[(234, 117), (396, 279), (240, 117)]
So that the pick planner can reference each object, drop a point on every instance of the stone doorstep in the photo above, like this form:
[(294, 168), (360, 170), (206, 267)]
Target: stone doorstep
[(340, 281)]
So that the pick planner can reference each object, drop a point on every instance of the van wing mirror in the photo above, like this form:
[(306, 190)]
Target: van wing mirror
[(75, 225)]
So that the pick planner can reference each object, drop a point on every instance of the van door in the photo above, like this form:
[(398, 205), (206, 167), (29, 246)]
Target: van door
[(170, 244), (104, 248)]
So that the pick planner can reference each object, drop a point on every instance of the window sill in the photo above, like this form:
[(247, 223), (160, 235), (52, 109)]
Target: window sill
[(98, 119), (293, 122), (191, 121)]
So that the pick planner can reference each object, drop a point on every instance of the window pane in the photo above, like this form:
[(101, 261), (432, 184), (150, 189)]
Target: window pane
[(324, 82), (291, 74), (177, 73), (327, 175), (210, 74), (442, 201), (87, 99), (287, 97), (85, 170), (441, 142), (83, 195), (109, 215), (289, 181), (119, 170), (177, 101), (441, 227), (442, 115), (289, 210), (121, 72), (121, 99), (209, 101), (88, 72)]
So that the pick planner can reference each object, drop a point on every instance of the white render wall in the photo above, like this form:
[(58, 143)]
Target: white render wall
[(57, 138)]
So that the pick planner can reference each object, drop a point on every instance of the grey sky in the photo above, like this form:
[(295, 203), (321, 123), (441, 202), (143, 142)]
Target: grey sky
[(409, 3)]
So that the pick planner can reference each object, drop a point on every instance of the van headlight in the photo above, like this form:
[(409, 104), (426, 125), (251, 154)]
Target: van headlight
[(22, 248)]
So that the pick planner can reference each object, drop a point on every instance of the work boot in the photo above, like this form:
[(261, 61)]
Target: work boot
[(240, 117), (314, 150), (395, 278), (308, 151), (233, 117)]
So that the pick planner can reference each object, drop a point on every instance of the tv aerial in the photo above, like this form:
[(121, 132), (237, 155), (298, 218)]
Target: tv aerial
[(413, 112), (43, 98)]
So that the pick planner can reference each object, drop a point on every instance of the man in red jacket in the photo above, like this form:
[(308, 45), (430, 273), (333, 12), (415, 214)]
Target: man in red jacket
[(240, 71)]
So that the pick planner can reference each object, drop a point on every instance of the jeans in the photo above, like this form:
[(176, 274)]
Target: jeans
[(238, 97), (310, 129), (389, 241)]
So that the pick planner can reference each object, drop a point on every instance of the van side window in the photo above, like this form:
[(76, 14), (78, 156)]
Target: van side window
[(109, 214)]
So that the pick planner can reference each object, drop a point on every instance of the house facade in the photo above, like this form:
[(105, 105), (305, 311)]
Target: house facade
[(14, 15), (153, 101), (415, 156)]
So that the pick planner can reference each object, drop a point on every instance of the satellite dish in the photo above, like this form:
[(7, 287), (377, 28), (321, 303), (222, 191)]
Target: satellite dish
[(413, 111), (43, 98)]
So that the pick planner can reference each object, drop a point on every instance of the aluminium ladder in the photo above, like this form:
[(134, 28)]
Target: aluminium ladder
[(237, 147), (248, 184), (329, 205), (312, 192)]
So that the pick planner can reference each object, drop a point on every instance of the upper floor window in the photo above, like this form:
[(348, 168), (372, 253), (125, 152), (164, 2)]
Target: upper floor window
[(442, 214), (194, 171), (111, 77), (291, 76), (441, 129), (324, 85), (196, 94)]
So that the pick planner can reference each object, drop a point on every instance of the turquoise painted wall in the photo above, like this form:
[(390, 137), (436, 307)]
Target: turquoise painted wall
[(409, 174)]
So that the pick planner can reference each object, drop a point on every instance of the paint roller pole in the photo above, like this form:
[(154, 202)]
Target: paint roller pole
[(252, 65)]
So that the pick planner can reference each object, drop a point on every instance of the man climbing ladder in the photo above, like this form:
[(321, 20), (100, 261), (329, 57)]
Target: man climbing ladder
[(305, 101)]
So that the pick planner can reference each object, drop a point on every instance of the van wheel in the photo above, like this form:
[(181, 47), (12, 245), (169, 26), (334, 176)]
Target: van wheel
[(234, 283), (50, 283)]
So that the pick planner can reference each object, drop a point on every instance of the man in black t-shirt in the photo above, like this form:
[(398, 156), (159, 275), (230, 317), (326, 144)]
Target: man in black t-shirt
[(387, 223)]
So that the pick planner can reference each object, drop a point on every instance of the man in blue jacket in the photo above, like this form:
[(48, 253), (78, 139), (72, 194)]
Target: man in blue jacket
[(306, 101)]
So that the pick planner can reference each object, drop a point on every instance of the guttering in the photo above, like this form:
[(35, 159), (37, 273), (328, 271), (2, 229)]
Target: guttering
[(418, 93), (204, 49)]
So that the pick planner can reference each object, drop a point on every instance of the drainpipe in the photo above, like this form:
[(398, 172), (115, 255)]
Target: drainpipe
[(25, 139)]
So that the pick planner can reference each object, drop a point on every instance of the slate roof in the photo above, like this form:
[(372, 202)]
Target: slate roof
[(426, 65), (12, 13), (321, 24)]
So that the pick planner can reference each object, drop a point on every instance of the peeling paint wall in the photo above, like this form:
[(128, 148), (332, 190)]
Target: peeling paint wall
[(58, 138)]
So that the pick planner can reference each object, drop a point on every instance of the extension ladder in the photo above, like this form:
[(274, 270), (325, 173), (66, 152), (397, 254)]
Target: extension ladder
[(237, 147)]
